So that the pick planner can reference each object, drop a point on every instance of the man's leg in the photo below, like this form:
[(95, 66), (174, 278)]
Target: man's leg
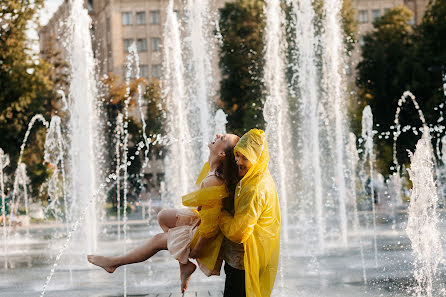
[(235, 282)]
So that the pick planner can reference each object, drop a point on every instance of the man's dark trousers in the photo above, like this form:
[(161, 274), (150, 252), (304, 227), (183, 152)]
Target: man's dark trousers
[(235, 282)]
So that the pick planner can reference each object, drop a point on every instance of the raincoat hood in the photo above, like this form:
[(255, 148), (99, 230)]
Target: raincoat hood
[(253, 146), (256, 221)]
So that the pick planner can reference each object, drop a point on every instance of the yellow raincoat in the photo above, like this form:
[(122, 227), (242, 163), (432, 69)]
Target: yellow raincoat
[(256, 222), (210, 200)]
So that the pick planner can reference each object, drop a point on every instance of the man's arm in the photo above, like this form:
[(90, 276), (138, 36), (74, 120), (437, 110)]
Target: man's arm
[(240, 227)]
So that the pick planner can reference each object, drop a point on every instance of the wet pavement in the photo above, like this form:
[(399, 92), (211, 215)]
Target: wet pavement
[(338, 271)]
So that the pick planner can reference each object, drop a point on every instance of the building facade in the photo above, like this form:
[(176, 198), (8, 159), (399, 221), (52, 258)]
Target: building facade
[(367, 11), (117, 24)]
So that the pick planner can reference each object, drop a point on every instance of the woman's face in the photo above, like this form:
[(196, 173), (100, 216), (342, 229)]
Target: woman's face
[(243, 164), (221, 142)]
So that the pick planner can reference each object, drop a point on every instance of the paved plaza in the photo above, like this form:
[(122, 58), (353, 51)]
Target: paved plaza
[(336, 273)]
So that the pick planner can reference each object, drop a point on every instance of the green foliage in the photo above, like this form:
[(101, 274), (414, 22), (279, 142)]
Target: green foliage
[(155, 108), (114, 103), (241, 64), (25, 88), (349, 25), (396, 57)]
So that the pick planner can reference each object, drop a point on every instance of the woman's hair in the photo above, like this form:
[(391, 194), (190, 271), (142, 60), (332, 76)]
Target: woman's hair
[(228, 171)]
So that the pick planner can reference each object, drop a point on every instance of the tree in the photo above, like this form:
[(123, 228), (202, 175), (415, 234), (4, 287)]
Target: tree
[(349, 25), (384, 72), (241, 64), (397, 57), (25, 88), (114, 103), (430, 53)]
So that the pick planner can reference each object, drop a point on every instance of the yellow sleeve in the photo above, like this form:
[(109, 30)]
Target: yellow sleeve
[(191, 199), (240, 227), (205, 196)]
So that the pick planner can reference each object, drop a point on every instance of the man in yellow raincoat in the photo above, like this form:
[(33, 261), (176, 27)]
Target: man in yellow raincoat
[(256, 220)]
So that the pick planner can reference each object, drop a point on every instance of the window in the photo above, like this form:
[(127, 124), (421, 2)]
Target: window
[(156, 71), (144, 71), (90, 5), (127, 44), (155, 43), (154, 17), (376, 13), (411, 21), (386, 10), (141, 18), (363, 16), (126, 18), (141, 45)]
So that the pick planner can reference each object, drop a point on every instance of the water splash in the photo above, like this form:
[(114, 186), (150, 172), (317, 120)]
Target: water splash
[(422, 226), (80, 219), (305, 81), (220, 122), (133, 51), (129, 73), (334, 90), (179, 160), (4, 162), (119, 131), (21, 179), (276, 107), (83, 124), (54, 155), (397, 132), (37, 117), (367, 134), (199, 65), (354, 159)]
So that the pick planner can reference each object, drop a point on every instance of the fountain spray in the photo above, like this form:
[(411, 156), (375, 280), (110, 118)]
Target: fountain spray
[(276, 107), (332, 62), (422, 226), (367, 134), (306, 82), (354, 158), (179, 160), (4, 161), (119, 131), (84, 137), (220, 122), (199, 67)]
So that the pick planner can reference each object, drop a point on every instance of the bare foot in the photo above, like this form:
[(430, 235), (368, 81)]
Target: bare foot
[(103, 262), (186, 271)]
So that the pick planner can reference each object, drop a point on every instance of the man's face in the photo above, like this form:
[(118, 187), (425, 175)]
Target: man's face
[(243, 164)]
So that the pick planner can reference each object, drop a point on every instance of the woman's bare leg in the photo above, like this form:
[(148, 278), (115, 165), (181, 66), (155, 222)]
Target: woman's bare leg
[(167, 219), (139, 254)]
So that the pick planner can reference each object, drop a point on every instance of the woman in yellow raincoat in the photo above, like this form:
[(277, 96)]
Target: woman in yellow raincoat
[(186, 229), (256, 220)]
